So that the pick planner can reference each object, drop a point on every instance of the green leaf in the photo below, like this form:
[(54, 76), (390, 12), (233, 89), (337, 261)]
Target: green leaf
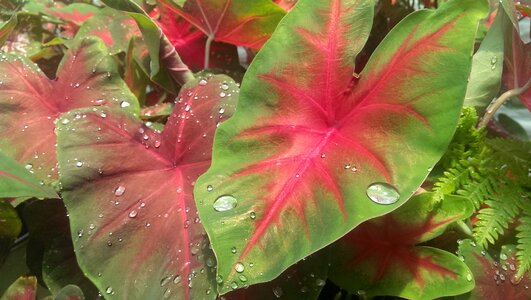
[(161, 51), (50, 252), (382, 256), (487, 64), (309, 139), (9, 230), (7, 28), (22, 289), (70, 292), (17, 181)]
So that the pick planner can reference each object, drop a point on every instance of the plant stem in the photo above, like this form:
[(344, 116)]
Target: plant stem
[(495, 105), (207, 50)]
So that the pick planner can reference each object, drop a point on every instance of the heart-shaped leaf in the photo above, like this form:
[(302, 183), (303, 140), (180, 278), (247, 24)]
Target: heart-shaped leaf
[(16, 181), (380, 257), (495, 278), (30, 102), (239, 22), (131, 204), (25, 288), (292, 171)]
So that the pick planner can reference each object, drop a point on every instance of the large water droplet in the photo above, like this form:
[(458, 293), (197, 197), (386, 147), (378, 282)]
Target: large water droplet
[(167, 294), (225, 203), (382, 193), (108, 290), (209, 188), (503, 256), (203, 82), (133, 214), (79, 164), (124, 104), (164, 281), (468, 276), (120, 190), (239, 267), (177, 279), (242, 278), (253, 215)]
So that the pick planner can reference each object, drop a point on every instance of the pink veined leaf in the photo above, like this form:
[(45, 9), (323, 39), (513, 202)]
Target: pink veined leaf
[(24, 288), (190, 42), (495, 278), (518, 66), (30, 102), (239, 22), (311, 140), (73, 15), (286, 4), (382, 256), (130, 202)]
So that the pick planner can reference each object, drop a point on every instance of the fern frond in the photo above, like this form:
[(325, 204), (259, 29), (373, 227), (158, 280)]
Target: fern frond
[(501, 210), (523, 247)]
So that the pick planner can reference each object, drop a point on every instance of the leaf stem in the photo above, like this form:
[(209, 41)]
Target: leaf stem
[(207, 50), (495, 105)]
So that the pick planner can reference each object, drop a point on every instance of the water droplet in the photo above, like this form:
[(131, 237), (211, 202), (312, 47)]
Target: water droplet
[(278, 291), (209, 188), (225, 203), (124, 104), (167, 294), (483, 252), (157, 144), (177, 279), (79, 164), (222, 94), (92, 226), (219, 279), (203, 82), (242, 278), (239, 267), (28, 166), (222, 110), (494, 60), (234, 285), (382, 193), (133, 214), (80, 233), (253, 215), (224, 86), (233, 250), (108, 290), (164, 281), (468, 276), (120, 190), (320, 282), (503, 256), (65, 121), (473, 244)]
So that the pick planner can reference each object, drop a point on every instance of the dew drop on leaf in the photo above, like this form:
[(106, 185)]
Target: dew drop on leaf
[(124, 104), (233, 250), (503, 256), (242, 278), (468, 276), (120, 190), (108, 290), (177, 279), (28, 166), (253, 215), (239, 267), (219, 279), (203, 82), (79, 164), (382, 193), (133, 214), (167, 294), (209, 188), (164, 281), (234, 285), (225, 203)]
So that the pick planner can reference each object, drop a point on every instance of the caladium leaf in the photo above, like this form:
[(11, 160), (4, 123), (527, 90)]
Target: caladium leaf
[(16, 181), (7, 27), (10, 229), (25, 288), (161, 51), (50, 253), (73, 15), (30, 102), (495, 278), (115, 28), (380, 257), (286, 4), (487, 65), (138, 215), (517, 73), (310, 140), (70, 292), (238, 22)]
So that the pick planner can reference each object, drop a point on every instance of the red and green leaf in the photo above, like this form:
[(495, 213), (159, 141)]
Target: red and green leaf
[(116, 29), (190, 42), (237, 22), (495, 278), (381, 256), (286, 4), (138, 215), (25, 288), (17, 181), (517, 72), (73, 15), (30, 102), (309, 138)]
